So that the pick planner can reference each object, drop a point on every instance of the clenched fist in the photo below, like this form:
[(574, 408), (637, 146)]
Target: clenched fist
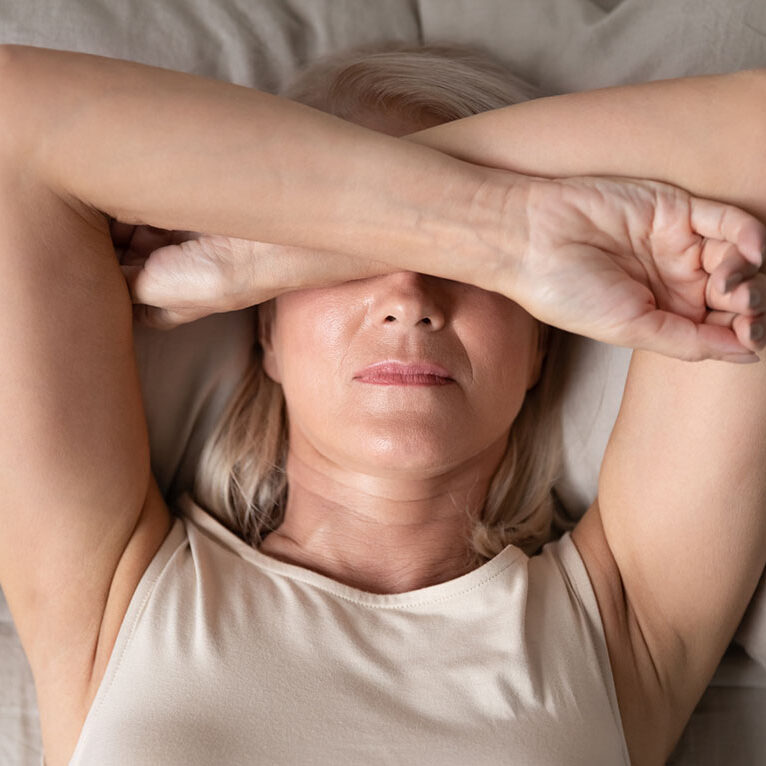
[(642, 264), (176, 277)]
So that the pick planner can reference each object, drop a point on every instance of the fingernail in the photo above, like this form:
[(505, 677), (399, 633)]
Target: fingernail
[(755, 299), (756, 330), (732, 282)]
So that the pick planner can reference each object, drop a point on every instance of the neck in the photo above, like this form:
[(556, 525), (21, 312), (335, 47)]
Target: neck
[(381, 534)]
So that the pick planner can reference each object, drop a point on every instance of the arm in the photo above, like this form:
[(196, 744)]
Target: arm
[(279, 172), (705, 134), (75, 482), (676, 541)]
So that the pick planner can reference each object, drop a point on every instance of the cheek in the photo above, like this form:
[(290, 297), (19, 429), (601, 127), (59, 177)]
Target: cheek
[(309, 326), (502, 349), (311, 336)]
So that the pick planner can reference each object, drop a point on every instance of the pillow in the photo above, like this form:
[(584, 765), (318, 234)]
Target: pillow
[(187, 374)]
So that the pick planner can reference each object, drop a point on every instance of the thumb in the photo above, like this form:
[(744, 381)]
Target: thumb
[(681, 338)]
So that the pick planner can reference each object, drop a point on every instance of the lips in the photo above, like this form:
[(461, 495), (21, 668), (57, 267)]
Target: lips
[(394, 373)]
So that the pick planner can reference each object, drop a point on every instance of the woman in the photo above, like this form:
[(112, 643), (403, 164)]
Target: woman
[(359, 631)]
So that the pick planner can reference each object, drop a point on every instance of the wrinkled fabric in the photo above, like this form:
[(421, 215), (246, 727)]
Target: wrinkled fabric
[(227, 655)]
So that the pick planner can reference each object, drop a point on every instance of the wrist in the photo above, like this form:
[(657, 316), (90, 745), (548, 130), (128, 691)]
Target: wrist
[(496, 228)]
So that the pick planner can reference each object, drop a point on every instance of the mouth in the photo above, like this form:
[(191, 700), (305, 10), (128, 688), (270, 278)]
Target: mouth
[(392, 373)]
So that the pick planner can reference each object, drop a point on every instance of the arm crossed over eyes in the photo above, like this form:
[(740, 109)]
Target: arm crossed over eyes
[(676, 540)]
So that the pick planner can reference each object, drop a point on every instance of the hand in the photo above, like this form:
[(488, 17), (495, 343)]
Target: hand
[(642, 264), (176, 277)]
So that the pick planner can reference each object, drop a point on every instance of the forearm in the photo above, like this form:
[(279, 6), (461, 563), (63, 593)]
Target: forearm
[(177, 151), (704, 134)]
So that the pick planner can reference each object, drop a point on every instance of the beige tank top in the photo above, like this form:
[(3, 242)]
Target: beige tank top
[(228, 656)]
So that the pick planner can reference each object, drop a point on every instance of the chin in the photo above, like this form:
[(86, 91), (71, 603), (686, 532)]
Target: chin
[(409, 453)]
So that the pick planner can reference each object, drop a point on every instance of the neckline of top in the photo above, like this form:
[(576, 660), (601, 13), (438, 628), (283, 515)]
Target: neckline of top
[(427, 595)]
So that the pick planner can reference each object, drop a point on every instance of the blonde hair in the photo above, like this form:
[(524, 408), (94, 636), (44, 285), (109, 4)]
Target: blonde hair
[(241, 473)]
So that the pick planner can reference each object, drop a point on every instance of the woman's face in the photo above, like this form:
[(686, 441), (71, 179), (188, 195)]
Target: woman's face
[(402, 374), (454, 363)]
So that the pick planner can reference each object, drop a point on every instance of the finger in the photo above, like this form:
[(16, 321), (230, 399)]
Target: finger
[(745, 298), (715, 220), (721, 318), (751, 331), (681, 338), (742, 327), (733, 269), (725, 258)]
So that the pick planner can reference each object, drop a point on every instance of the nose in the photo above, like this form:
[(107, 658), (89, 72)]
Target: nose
[(409, 299)]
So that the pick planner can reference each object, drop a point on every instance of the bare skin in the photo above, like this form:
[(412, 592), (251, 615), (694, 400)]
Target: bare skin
[(385, 481), (378, 536)]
